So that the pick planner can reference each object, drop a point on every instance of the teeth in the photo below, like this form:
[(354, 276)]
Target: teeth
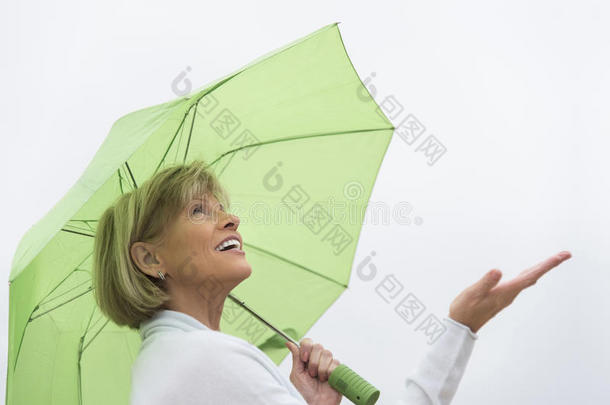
[(228, 243)]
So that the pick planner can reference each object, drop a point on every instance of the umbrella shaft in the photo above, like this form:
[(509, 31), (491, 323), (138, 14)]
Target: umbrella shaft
[(278, 331)]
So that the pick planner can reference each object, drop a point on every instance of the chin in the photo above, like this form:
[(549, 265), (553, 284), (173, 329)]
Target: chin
[(247, 270), (241, 272)]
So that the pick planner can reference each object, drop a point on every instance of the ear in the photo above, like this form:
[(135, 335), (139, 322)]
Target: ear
[(144, 256)]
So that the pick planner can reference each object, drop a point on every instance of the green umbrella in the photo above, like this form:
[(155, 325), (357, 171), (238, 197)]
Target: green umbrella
[(295, 133)]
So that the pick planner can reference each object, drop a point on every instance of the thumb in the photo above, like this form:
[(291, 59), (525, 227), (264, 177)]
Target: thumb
[(297, 364), (489, 280)]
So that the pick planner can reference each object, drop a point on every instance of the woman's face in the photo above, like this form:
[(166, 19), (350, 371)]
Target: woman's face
[(190, 255)]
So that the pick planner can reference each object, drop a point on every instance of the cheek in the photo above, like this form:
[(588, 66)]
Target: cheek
[(199, 239), (189, 241)]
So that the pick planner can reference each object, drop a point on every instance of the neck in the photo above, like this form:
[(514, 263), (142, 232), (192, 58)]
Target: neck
[(206, 308)]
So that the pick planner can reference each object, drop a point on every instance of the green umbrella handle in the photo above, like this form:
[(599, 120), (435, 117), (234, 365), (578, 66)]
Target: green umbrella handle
[(352, 386)]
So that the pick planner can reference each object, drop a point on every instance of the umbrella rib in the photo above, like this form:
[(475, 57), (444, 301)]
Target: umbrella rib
[(88, 323), (188, 111), (31, 319), (74, 225), (295, 264), (188, 142), (221, 171), (94, 336), (62, 304), (65, 292), (135, 185), (291, 138), (79, 376), (118, 172), (78, 233), (77, 268), (38, 305), (173, 139)]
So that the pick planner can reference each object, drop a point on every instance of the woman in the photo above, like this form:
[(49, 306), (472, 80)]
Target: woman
[(160, 268)]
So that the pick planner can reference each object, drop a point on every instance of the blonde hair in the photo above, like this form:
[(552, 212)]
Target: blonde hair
[(124, 293)]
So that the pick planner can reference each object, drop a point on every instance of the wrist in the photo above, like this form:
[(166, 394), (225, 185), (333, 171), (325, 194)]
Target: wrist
[(464, 324)]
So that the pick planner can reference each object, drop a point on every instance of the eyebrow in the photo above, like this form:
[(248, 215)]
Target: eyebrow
[(222, 207)]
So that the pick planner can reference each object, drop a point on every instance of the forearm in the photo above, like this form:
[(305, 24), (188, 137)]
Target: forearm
[(436, 378)]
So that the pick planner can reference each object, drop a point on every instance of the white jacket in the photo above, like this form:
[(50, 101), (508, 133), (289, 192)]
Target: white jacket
[(183, 362)]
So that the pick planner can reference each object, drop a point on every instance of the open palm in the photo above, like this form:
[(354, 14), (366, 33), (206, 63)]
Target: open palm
[(481, 301)]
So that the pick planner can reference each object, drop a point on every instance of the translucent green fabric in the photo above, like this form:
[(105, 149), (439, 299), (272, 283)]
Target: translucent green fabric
[(293, 132)]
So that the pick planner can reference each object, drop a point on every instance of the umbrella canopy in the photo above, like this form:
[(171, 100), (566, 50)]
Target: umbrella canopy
[(297, 141)]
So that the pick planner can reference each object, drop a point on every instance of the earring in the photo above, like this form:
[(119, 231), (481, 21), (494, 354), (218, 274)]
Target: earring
[(161, 275)]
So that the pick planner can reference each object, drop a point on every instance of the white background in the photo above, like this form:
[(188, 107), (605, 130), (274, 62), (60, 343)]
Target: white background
[(517, 91)]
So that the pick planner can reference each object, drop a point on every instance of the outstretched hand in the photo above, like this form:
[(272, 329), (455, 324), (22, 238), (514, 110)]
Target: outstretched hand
[(481, 301)]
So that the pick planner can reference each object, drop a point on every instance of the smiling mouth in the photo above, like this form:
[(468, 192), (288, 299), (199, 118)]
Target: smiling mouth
[(232, 251), (230, 245)]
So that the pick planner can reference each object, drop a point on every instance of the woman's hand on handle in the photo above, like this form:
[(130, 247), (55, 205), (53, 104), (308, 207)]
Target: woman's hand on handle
[(481, 301), (311, 367)]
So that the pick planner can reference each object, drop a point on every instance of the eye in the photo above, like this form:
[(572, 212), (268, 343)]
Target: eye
[(198, 208)]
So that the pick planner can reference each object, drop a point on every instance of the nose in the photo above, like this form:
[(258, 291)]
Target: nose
[(228, 220)]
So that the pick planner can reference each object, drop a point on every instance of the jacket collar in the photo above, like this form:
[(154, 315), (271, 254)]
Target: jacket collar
[(169, 320)]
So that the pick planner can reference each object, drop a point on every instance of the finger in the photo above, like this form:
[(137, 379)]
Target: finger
[(296, 360), (306, 347), (314, 359), (290, 347), (488, 281), (539, 269), (333, 365), (326, 360), (528, 277)]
